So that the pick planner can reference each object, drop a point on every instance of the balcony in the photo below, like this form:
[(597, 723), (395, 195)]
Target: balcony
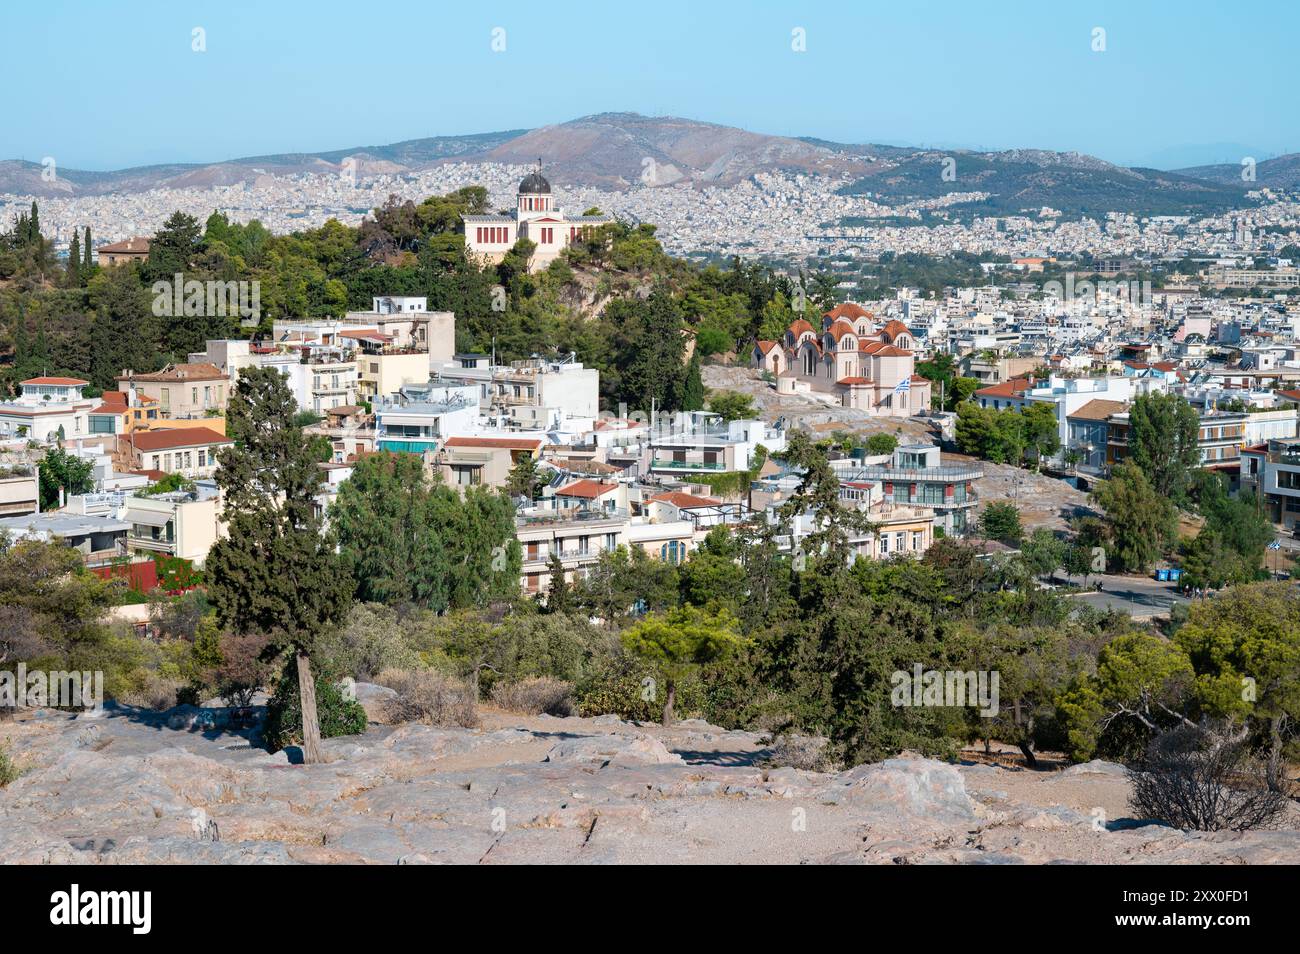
[(658, 464), (934, 475)]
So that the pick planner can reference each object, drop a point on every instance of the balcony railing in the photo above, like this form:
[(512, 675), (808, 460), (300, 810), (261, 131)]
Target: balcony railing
[(686, 465), (942, 474)]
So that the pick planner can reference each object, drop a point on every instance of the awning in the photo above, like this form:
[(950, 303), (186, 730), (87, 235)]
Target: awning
[(149, 518)]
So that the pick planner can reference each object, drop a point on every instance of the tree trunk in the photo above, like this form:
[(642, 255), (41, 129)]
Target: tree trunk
[(668, 703), (1027, 751), (311, 751), (1274, 766)]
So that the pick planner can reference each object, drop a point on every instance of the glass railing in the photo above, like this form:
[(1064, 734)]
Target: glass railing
[(686, 465)]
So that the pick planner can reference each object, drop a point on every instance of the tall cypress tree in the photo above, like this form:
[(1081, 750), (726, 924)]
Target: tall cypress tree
[(276, 573), (74, 261), (87, 264), (34, 224)]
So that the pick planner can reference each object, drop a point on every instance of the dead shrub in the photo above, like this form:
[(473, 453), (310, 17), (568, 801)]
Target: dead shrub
[(534, 696), (1203, 779), (806, 752), (428, 696)]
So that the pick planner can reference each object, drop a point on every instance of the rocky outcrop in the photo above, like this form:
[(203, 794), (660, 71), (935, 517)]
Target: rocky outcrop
[(178, 787)]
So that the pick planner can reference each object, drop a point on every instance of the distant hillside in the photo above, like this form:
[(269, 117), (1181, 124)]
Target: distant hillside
[(625, 150), (615, 150), (1026, 179), (1280, 173), (24, 178)]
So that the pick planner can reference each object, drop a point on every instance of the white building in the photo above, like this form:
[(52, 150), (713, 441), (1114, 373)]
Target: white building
[(48, 409), (536, 217)]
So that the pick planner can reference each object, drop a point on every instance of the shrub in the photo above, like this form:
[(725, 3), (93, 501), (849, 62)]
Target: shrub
[(155, 691), (337, 715), (429, 696), (242, 670), (535, 696), (1199, 779), (373, 639), (806, 752), (9, 770), (634, 690)]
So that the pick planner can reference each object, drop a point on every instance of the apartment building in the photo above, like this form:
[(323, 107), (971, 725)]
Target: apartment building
[(576, 534), (188, 451), (47, 409), (1220, 435), (915, 475), (1271, 471), (487, 460), (193, 390)]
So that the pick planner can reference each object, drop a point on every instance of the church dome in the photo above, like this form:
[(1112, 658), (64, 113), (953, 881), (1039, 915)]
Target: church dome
[(534, 184)]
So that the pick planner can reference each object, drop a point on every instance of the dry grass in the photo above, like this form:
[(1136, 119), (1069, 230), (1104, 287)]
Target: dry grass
[(535, 696), (428, 696)]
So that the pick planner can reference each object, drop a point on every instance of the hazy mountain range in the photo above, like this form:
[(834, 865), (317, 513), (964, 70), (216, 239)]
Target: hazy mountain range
[(622, 150)]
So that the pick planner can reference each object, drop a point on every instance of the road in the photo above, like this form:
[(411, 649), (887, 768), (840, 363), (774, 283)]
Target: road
[(1136, 595)]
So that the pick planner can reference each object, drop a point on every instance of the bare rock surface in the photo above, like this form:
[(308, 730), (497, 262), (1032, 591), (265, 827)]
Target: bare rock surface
[(137, 786)]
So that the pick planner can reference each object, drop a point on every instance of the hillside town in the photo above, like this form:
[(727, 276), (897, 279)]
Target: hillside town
[(630, 489)]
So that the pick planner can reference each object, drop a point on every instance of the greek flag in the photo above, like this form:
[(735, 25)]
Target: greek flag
[(1275, 545), (903, 386)]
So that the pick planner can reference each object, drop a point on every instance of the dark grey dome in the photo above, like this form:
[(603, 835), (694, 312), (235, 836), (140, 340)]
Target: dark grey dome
[(534, 184)]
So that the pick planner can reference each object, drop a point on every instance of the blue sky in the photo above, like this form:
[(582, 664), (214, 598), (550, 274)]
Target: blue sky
[(113, 84)]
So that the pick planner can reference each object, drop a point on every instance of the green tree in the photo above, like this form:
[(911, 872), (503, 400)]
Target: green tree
[(1162, 441), (525, 480), (680, 640), (1245, 648), (63, 475), (1040, 429), (1140, 523), (881, 444), (276, 573), (732, 405), (693, 386), (1044, 552), (384, 522), (1001, 521)]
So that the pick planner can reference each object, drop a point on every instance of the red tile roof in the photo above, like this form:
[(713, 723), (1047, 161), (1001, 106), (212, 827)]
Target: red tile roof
[(57, 382), (130, 245), (848, 310), (510, 443), (177, 437), (765, 346), (586, 488), (1013, 388)]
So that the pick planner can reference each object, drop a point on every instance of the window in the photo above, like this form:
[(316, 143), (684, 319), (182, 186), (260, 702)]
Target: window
[(194, 395), (884, 544), (672, 552), (467, 475), (203, 458)]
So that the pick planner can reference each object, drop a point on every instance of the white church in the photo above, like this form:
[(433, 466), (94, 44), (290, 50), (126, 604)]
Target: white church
[(536, 217)]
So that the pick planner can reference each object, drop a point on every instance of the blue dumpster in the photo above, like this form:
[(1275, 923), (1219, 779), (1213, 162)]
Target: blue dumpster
[(1162, 576)]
